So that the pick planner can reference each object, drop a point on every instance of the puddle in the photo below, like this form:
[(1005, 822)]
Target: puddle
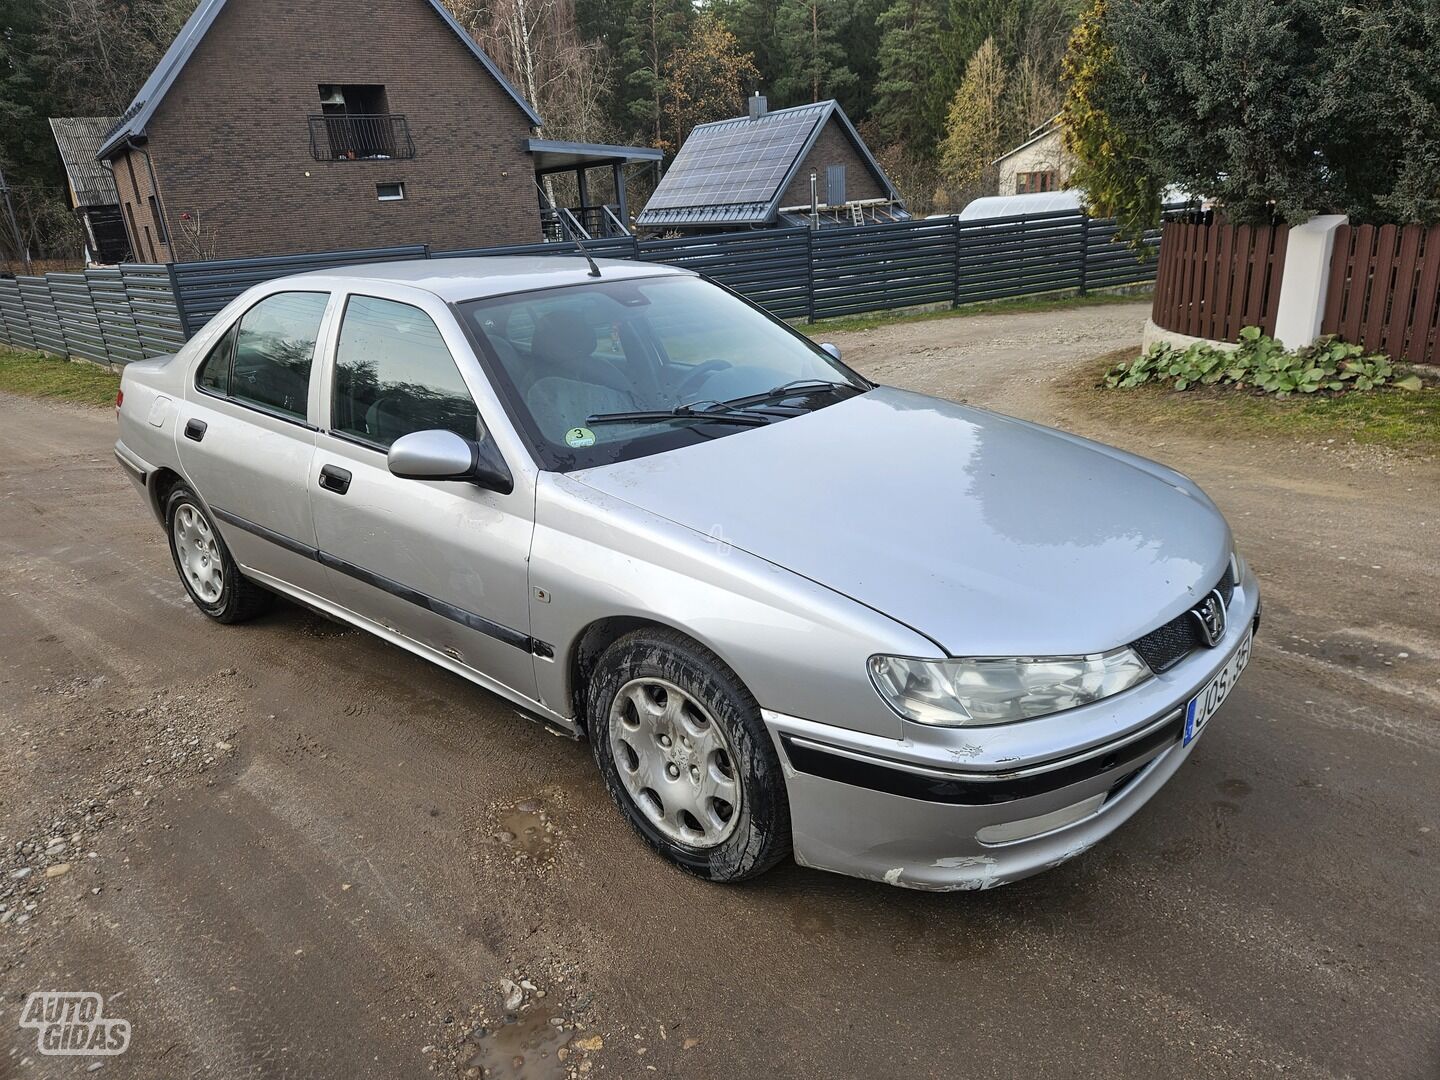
[(526, 828), (527, 1047)]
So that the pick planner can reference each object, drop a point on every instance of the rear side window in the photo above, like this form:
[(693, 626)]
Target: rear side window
[(273, 352), (394, 375), (214, 375)]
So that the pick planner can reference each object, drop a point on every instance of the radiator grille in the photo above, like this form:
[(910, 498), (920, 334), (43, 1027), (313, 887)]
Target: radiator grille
[(1166, 646)]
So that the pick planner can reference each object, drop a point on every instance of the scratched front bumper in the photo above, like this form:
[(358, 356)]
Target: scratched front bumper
[(912, 812)]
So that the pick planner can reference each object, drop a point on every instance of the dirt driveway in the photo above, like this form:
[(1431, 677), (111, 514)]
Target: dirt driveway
[(292, 850)]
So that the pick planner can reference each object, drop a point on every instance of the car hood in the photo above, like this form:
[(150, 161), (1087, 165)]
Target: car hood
[(989, 535)]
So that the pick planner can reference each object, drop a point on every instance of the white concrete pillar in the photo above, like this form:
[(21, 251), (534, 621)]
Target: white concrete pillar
[(1306, 276)]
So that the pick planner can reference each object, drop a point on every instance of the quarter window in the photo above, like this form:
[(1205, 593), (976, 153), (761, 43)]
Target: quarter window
[(214, 373), (274, 348), (394, 375)]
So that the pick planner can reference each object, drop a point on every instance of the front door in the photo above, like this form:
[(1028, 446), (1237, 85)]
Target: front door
[(245, 440), (443, 564)]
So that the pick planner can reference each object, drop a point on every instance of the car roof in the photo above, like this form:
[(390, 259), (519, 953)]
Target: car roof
[(454, 280)]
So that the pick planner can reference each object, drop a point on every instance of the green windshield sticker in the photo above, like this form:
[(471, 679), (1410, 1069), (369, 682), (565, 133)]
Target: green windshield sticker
[(579, 436)]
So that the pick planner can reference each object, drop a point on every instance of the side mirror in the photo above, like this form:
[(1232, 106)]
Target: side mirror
[(833, 350), (443, 455)]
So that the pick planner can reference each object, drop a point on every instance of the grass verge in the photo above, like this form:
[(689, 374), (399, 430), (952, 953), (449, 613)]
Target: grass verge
[(1407, 420), (39, 375), (1018, 306)]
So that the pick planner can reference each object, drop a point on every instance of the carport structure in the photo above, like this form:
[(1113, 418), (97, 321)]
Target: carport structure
[(587, 219)]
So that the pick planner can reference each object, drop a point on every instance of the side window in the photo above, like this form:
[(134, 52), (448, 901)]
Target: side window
[(394, 375), (274, 349), (214, 373)]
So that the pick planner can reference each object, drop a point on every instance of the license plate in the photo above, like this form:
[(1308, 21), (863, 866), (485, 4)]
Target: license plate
[(1207, 702)]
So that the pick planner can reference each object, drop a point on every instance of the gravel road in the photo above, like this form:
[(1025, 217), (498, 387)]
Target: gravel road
[(292, 850)]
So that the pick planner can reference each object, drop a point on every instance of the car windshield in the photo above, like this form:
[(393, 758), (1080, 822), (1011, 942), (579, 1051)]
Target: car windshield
[(613, 370)]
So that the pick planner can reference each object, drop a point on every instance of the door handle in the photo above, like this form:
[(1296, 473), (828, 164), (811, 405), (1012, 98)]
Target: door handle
[(333, 478), (195, 429)]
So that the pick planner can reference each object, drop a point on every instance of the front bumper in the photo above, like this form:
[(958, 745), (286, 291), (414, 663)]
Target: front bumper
[(947, 811)]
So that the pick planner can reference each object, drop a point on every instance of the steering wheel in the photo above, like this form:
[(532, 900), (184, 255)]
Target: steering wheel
[(696, 378)]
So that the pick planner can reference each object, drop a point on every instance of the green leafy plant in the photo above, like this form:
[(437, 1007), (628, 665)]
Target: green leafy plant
[(1262, 363)]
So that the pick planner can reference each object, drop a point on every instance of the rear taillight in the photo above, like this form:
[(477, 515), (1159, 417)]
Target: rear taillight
[(119, 398)]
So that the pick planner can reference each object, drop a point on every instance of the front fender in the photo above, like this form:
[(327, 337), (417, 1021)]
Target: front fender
[(800, 647)]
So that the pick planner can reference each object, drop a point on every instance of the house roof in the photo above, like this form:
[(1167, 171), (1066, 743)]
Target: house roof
[(734, 172), (552, 154), (79, 138), (133, 120), (1041, 132)]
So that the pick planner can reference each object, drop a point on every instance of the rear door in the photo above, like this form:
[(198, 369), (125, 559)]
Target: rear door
[(443, 564), (246, 436)]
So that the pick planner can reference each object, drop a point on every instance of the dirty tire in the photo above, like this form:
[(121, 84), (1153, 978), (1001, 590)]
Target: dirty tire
[(240, 598), (761, 834)]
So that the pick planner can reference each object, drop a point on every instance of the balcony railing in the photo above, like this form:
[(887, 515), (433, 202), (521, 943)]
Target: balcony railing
[(360, 137), (565, 223)]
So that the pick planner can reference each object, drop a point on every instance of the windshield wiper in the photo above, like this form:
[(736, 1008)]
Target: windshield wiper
[(791, 389), (680, 412)]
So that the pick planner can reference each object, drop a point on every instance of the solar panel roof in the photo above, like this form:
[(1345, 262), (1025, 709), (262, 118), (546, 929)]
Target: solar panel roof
[(737, 162)]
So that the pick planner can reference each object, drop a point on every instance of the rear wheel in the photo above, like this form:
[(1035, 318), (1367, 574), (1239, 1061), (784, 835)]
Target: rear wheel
[(686, 757), (204, 564)]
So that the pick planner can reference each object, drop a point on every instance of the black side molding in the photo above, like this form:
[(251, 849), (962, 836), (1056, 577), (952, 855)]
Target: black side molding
[(964, 789), (261, 531), (424, 600), (499, 631)]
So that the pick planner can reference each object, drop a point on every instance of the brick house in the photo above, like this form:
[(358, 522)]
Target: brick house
[(280, 126), (805, 165)]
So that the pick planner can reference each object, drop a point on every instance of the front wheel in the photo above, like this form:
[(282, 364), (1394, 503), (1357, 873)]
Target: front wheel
[(686, 757), (204, 564)]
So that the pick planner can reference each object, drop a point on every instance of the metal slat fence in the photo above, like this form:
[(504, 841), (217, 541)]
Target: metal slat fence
[(203, 288), (119, 315), (771, 267)]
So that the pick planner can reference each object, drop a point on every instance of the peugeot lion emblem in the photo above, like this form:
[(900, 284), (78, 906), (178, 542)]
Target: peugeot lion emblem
[(1210, 614)]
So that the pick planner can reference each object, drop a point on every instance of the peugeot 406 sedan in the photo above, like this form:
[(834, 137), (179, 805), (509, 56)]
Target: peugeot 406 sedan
[(792, 611)]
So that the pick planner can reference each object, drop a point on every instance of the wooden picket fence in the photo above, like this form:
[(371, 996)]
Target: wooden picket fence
[(1215, 278), (1384, 290)]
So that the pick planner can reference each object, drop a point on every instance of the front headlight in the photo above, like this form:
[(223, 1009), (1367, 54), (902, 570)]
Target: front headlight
[(972, 693)]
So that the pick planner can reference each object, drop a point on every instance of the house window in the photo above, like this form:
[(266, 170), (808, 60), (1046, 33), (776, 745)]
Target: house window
[(355, 99), (1027, 183), (159, 220), (390, 192), (150, 244), (355, 123)]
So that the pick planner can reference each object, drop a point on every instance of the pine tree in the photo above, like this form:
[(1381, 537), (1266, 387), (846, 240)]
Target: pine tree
[(753, 24), (913, 88), (814, 68), (859, 39), (654, 30)]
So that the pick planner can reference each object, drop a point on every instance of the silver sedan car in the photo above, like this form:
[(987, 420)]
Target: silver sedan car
[(793, 612)]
